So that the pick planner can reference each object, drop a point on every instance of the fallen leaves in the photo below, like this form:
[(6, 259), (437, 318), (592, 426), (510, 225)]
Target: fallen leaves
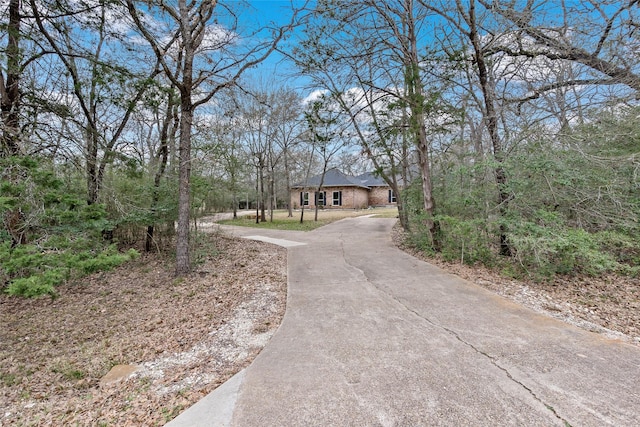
[(186, 336), (608, 304)]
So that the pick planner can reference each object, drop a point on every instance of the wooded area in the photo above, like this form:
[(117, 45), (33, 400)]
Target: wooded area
[(509, 129)]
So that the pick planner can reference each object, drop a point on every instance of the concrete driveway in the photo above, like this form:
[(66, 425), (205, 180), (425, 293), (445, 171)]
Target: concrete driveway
[(375, 337)]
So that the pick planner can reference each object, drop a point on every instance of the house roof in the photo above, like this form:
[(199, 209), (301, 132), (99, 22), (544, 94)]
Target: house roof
[(371, 180), (333, 178)]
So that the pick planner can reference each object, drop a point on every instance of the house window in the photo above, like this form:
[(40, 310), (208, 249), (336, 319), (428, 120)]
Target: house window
[(321, 198), (392, 196), (337, 198), (304, 198)]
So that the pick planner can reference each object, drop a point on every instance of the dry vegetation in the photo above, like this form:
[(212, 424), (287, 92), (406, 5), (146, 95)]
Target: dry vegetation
[(608, 305), (186, 337)]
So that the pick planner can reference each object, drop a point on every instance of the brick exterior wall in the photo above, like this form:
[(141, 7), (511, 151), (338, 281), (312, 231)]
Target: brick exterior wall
[(352, 198), (379, 196)]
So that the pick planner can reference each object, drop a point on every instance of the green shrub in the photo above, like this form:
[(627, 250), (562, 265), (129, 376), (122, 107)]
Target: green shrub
[(548, 247), (418, 237), (468, 241), (35, 285), (543, 245), (623, 247), (31, 271), (63, 232)]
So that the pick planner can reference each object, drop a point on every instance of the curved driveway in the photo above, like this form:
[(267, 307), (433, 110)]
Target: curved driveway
[(375, 337)]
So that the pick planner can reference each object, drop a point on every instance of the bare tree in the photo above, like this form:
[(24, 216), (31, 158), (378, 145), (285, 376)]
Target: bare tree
[(463, 17), (193, 39), (600, 35), (367, 45), (329, 137), (287, 128), (257, 134), (90, 83)]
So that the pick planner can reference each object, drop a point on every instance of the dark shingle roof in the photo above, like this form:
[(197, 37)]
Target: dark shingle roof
[(371, 180), (333, 178)]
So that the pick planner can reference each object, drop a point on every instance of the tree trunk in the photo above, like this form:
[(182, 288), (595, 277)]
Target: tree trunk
[(164, 157), (288, 178), (263, 217), (272, 194), (401, 198), (492, 127), (257, 194), (235, 206), (10, 90), (91, 166), (416, 122), (13, 219), (324, 171), (183, 264)]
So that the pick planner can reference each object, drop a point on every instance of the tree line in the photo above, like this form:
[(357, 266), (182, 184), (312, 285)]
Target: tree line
[(509, 124), (507, 128), (123, 121)]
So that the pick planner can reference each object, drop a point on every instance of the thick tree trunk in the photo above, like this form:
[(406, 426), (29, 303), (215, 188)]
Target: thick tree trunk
[(401, 197), (427, 189), (416, 105), (13, 219)]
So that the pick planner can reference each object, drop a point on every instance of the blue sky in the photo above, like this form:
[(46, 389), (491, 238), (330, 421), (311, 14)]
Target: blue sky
[(279, 12)]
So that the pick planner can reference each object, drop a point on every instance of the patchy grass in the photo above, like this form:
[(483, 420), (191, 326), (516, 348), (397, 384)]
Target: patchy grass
[(281, 220)]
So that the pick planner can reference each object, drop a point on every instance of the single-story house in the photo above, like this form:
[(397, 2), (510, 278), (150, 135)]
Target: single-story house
[(343, 191)]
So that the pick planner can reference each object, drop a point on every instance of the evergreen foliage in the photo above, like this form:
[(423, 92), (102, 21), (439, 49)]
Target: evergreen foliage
[(574, 203), (63, 234)]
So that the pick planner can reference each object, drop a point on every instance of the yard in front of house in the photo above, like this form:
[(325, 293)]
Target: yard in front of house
[(282, 221)]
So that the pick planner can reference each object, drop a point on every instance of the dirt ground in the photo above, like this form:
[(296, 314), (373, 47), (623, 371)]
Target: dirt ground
[(609, 305), (187, 336)]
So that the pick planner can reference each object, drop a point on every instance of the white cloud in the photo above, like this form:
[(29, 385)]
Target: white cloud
[(314, 96)]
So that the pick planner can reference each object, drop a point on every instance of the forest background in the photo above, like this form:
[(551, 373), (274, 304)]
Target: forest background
[(509, 130)]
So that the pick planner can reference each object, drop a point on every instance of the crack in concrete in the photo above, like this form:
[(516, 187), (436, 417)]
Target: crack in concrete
[(491, 358), (457, 336)]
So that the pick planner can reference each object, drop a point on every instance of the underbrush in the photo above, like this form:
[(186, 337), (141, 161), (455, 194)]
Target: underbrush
[(51, 234), (32, 270), (541, 248)]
